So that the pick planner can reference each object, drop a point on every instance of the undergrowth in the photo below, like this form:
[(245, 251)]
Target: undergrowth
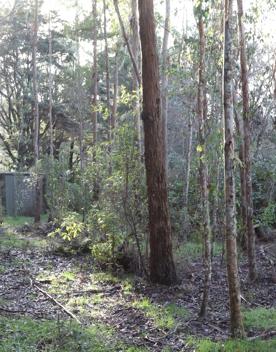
[(27, 335)]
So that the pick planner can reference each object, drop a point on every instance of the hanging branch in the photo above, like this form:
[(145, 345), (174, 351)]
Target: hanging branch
[(134, 63)]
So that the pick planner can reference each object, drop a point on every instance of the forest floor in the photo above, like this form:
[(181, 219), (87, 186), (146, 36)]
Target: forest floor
[(121, 312)]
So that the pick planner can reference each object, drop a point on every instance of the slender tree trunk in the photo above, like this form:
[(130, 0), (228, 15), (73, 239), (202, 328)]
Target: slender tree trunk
[(164, 77), (247, 140), (240, 132), (107, 73), (162, 269), (136, 49), (115, 94), (203, 168), (237, 329), (187, 173), (94, 72), (35, 93), (215, 227), (36, 115), (134, 63), (50, 82)]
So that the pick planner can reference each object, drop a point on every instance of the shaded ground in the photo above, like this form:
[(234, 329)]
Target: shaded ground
[(148, 317)]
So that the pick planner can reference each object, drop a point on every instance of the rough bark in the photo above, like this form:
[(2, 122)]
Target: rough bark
[(162, 269), (203, 168), (164, 77), (247, 141), (237, 329)]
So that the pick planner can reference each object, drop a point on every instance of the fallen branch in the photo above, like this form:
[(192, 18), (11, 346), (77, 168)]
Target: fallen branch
[(95, 291), (51, 298), (12, 311), (216, 328), (266, 335)]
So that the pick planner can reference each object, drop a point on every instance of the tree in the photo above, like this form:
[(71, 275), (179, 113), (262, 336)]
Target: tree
[(164, 76), (203, 167), (107, 73), (162, 269), (94, 72), (51, 90), (230, 199), (35, 93), (136, 49), (250, 233), (36, 116)]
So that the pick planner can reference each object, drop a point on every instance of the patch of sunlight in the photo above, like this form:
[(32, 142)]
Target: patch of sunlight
[(164, 317)]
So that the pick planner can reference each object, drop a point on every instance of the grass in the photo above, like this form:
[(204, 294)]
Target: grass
[(11, 240), (260, 318), (27, 335), (164, 317), (105, 277), (207, 345), (193, 250), (21, 220)]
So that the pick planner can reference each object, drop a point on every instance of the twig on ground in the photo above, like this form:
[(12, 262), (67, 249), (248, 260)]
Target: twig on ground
[(51, 298)]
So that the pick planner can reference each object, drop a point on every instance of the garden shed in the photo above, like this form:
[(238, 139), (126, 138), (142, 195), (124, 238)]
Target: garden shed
[(17, 191)]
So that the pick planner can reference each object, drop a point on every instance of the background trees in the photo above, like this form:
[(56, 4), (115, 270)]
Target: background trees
[(79, 74)]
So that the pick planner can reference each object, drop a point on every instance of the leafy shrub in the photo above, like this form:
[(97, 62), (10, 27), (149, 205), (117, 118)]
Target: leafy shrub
[(268, 215), (69, 228)]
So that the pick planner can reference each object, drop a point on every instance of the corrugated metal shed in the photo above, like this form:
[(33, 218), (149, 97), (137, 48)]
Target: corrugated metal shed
[(17, 192)]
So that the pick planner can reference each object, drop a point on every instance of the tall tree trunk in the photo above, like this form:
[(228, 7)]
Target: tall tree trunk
[(78, 90), (187, 172), (107, 73), (36, 115), (247, 140), (35, 93), (136, 49), (50, 83), (162, 269), (237, 329), (94, 72), (164, 77), (115, 94), (203, 168)]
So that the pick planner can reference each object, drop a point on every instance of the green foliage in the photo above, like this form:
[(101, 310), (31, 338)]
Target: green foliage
[(164, 317), (62, 195), (268, 215), (69, 229)]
